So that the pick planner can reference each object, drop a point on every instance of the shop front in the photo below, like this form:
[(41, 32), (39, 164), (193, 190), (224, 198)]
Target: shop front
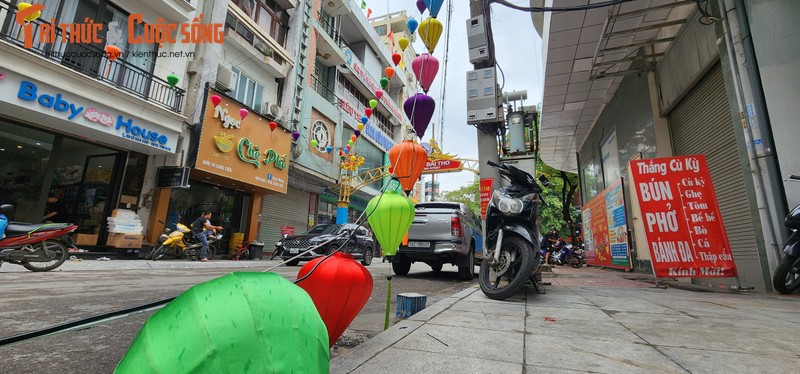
[(239, 159), (91, 157)]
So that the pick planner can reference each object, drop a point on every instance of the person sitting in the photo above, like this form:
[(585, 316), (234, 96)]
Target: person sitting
[(200, 229)]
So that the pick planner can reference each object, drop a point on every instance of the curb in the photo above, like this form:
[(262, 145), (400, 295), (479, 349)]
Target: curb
[(353, 359)]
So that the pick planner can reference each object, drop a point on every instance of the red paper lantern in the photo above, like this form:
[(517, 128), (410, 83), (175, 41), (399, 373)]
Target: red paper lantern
[(407, 161), (339, 287)]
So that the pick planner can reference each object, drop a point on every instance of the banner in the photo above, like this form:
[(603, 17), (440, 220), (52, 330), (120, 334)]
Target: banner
[(486, 194), (606, 229), (682, 222), (441, 166)]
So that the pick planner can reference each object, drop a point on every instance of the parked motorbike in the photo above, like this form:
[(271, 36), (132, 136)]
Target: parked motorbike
[(787, 278), (178, 244), (35, 246), (564, 254), (512, 246)]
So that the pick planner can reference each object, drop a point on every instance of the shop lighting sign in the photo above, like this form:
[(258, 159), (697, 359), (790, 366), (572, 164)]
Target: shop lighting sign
[(119, 126)]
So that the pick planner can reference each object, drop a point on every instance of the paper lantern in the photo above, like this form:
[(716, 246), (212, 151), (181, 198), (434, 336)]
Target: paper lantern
[(378, 94), (403, 42), (172, 80), (112, 52), (368, 112), (429, 31), (215, 99), (357, 133), (329, 149), (237, 323), (364, 120), (407, 160), (425, 68), (373, 103), (346, 150), (421, 6), (350, 142), (390, 215), (31, 17), (273, 126), (353, 137), (419, 109), (339, 287), (243, 113), (434, 6), (295, 135), (412, 25), (396, 57), (384, 82), (360, 127), (389, 72), (314, 143), (341, 157)]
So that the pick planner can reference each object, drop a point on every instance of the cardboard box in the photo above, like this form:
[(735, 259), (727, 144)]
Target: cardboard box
[(124, 240), (85, 239)]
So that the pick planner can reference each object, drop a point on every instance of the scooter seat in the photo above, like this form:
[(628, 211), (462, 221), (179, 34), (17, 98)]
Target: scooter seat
[(23, 228)]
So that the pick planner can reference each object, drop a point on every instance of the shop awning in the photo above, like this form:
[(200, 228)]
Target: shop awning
[(587, 53)]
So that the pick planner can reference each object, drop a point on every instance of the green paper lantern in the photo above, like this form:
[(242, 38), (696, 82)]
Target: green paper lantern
[(390, 216), (239, 323), (384, 83), (314, 143), (350, 142), (373, 103), (172, 79)]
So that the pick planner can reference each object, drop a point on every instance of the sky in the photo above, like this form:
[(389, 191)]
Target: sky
[(518, 50)]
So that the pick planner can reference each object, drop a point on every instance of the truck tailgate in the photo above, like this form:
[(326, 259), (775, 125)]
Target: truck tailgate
[(431, 225)]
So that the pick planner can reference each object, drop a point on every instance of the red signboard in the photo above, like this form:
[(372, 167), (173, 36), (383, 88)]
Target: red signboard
[(287, 230), (442, 166), (486, 194), (681, 217), (606, 229)]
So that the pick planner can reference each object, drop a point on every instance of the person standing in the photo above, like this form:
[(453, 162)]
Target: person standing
[(55, 211), (199, 226), (549, 242)]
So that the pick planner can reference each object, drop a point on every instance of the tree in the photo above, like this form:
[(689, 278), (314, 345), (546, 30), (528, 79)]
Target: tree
[(469, 195), (558, 212)]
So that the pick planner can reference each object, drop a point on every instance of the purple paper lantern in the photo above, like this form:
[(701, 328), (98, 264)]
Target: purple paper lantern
[(419, 109), (357, 133), (295, 135), (421, 6)]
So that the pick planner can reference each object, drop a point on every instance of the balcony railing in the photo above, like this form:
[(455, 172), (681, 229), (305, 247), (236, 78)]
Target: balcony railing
[(324, 91), (90, 60), (261, 45), (331, 30)]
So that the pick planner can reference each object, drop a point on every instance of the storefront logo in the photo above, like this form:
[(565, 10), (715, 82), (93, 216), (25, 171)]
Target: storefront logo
[(140, 134), (228, 122), (95, 115), (223, 142), (28, 92), (251, 154)]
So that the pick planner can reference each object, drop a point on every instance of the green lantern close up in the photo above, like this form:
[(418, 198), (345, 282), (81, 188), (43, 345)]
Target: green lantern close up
[(390, 216), (238, 323)]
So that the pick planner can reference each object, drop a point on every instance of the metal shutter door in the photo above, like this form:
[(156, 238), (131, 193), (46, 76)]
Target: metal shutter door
[(701, 124), (279, 210)]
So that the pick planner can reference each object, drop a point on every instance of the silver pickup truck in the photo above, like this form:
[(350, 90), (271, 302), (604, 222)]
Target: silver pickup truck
[(442, 233)]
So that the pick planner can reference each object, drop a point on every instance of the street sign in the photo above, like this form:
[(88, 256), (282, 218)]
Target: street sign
[(442, 166), (172, 177)]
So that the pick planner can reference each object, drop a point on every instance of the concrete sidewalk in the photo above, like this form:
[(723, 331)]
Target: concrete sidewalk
[(598, 323), (96, 265)]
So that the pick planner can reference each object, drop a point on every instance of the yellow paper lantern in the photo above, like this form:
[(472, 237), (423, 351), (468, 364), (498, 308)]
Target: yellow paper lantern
[(429, 31)]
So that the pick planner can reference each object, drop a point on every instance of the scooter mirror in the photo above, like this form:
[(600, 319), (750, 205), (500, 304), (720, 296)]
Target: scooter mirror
[(545, 182), (285, 236)]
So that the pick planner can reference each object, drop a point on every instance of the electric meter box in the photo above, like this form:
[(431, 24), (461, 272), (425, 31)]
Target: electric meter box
[(482, 96), (477, 40)]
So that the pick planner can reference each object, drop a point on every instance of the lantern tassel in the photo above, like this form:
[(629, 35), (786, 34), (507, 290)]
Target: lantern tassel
[(388, 302)]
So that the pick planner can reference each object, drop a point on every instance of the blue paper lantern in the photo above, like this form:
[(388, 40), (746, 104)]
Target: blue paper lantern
[(412, 25), (434, 6), (364, 119), (329, 149)]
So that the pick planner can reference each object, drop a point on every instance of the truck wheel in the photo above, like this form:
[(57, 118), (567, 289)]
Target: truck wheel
[(468, 272), (401, 265)]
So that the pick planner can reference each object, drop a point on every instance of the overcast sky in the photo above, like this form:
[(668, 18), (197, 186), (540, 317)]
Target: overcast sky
[(518, 53)]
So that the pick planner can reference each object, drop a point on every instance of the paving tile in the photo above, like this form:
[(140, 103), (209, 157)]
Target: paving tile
[(596, 356), (707, 361), (466, 342), (496, 322), (568, 313), (511, 309), (581, 329), (536, 369), (404, 361)]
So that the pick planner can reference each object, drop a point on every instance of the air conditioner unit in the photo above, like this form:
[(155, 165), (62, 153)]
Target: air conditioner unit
[(271, 109), (226, 79)]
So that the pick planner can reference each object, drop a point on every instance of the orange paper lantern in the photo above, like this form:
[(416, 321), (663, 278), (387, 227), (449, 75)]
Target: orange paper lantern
[(407, 161)]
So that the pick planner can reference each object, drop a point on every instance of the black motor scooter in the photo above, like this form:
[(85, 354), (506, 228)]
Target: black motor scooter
[(511, 255), (787, 276)]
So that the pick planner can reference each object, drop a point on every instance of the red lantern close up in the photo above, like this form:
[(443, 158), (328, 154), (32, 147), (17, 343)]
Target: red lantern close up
[(407, 161), (339, 287)]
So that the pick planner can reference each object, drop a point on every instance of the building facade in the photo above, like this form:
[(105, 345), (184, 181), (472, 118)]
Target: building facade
[(655, 79)]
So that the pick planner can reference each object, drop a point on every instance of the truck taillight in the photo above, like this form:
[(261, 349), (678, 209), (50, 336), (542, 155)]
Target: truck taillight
[(455, 227)]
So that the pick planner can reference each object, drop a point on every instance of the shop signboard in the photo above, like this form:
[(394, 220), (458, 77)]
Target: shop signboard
[(242, 148), (355, 111), (442, 166), (682, 222), (172, 177), (103, 122), (606, 229), (486, 185), (370, 82), (287, 230)]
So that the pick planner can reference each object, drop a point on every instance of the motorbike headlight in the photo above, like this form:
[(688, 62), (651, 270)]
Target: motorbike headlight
[(163, 237), (510, 205), (279, 243)]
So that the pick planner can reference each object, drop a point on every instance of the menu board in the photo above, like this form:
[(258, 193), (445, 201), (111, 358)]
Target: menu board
[(606, 229), (682, 221)]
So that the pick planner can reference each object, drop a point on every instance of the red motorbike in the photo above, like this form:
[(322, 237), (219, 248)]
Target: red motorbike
[(36, 246)]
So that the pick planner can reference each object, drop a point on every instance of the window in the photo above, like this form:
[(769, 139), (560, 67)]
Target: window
[(248, 91), (269, 16)]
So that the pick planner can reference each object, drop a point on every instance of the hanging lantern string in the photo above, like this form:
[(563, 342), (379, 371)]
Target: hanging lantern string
[(359, 221), (444, 74)]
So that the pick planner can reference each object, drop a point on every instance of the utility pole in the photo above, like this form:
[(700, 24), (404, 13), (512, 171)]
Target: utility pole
[(486, 132)]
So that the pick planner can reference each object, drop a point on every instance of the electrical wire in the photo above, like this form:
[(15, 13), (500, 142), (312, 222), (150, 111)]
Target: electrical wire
[(504, 77), (709, 19), (559, 9), (444, 74)]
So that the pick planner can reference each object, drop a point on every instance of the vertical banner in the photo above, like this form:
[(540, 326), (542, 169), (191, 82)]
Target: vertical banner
[(486, 194), (682, 222), (605, 229)]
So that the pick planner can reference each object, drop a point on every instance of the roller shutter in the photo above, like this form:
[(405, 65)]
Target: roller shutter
[(701, 124), (279, 210)]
